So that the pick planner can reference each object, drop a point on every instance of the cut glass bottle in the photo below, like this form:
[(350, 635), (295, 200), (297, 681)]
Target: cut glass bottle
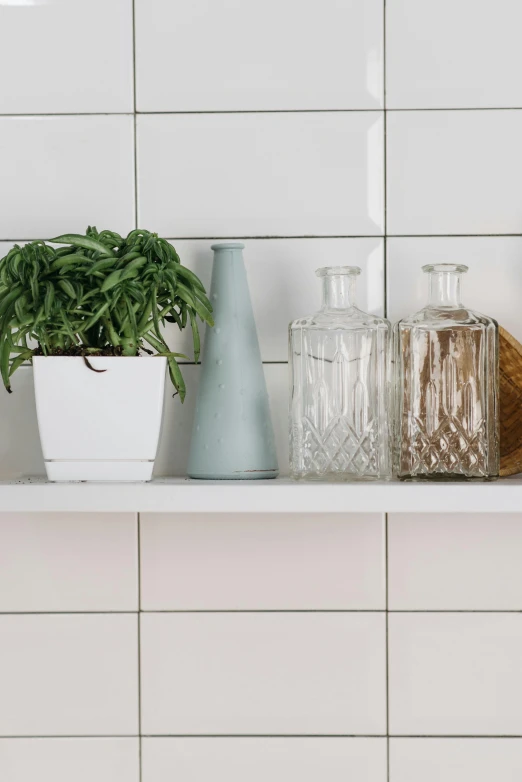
[(340, 373), (447, 387)]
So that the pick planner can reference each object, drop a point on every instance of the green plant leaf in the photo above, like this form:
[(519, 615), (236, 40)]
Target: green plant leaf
[(177, 378), (77, 240), (96, 316), (195, 304), (67, 260), (49, 298), (19, 360), (19, 308), (195, 336), (120, 275), (190, 278), (9, 298), (174, 355), (102, 265), (5, 352), (98, 291), (68, 288)]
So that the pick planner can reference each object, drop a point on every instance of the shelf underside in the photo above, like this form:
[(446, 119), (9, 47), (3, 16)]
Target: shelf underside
[(182, 495)]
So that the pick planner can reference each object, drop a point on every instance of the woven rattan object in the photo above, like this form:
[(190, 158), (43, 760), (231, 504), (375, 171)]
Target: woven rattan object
[(510, 404)]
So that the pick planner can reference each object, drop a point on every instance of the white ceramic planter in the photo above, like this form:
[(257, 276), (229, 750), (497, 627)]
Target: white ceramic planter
[(99, 426)]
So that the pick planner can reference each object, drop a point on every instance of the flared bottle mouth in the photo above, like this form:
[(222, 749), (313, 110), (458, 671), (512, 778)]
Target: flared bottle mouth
[(338, 271), (227, 246), (451, 268)]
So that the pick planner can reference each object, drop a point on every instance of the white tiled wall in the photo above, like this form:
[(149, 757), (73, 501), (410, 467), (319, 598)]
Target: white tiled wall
[(62, 760), (311, 648), (269, 56), (262, 759), (456, 760), (220, 563), (69, 674), (262, 174), (296, 673)]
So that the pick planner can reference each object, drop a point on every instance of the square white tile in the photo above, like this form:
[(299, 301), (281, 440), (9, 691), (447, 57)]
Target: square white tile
[(263, 673), (454, 172), (455, 562), (64, 760), (68, 562), (66, 57), (262, 562), (276, 54), (490, 286), (259, 759), (283, 285), (453, 55), (176, 429), (64, 174), (455, 760), (275, 174), (455, 674), (68, 675)]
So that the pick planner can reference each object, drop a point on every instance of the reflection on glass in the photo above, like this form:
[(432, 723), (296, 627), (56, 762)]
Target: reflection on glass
[(340, 387), (447, 387)]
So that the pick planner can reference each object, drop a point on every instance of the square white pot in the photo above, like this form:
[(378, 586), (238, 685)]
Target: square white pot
[(99, 426)]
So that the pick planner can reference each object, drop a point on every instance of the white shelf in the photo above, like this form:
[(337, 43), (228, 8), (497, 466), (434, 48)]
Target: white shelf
[(182, 495)]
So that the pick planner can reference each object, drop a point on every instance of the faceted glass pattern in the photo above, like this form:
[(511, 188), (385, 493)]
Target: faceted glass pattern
[(340, 387), (447, 387)]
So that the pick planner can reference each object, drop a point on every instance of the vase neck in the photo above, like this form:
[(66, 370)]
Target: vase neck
[(338, 292), (338, 287), (444, 285)]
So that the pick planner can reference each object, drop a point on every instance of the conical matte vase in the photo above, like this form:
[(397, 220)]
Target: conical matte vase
[(232, 436)]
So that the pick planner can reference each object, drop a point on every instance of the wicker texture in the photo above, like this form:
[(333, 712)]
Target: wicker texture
[(510, 404)]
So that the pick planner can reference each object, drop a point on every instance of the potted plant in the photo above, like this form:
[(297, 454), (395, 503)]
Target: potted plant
[(85, 314)]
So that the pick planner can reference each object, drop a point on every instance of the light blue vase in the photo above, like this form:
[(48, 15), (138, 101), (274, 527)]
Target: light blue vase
[(232, 437)]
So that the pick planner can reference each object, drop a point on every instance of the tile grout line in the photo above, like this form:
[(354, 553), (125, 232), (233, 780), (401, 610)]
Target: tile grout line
[(138, 616), (387, 650), (385, 161), (268, 238), (422, 736), (138, 518), (69, 114), (366, 110), (135, 172), (125, 612), (135, 113), (385, 281)]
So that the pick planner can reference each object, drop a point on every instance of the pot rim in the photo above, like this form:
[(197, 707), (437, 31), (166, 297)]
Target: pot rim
[(97, 358)]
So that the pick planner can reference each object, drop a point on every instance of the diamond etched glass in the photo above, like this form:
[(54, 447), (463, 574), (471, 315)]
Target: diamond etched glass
[(447, 387), (340, 381)]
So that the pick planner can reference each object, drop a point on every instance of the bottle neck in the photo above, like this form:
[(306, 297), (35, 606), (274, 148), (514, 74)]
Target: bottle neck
[(338, 292), (444, 289)]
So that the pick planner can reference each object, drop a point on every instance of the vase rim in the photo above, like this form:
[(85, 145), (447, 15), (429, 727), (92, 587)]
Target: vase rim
[(334, 271), (438, 268), (227, 246)]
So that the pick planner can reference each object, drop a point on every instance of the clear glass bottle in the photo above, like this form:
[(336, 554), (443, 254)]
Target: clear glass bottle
[(447, 387), (340, 372)]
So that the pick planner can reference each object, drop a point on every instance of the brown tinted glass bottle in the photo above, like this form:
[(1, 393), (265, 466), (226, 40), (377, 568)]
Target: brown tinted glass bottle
[(446, 411)]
